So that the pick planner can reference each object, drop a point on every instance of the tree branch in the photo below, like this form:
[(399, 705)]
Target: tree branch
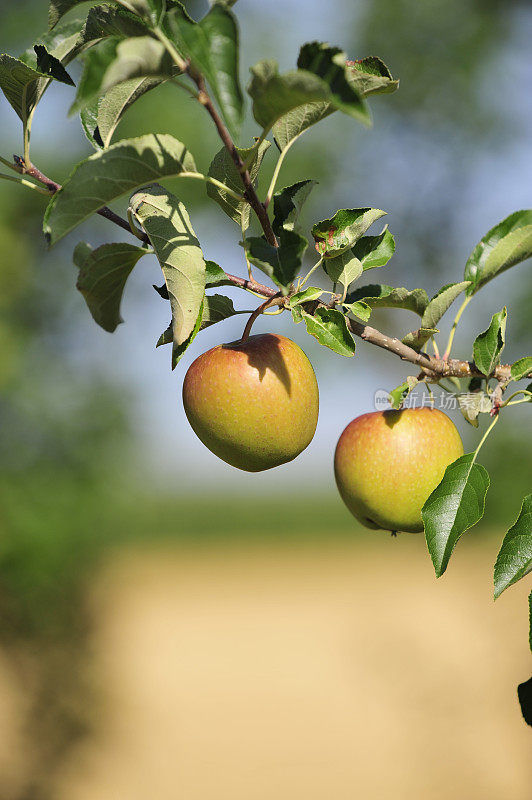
[(430, 365), (54, 187), (250, 194)]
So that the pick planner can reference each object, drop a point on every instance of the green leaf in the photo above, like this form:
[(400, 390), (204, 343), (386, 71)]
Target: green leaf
[(441, 301), (109, 174), (23, 86), (216, 308), (400, 393), (416, 339), (359, 309), (330, 64), (455, 505), (212, 47), (472, 404), (166, 221), (292, 124), (344, 269), (58, 8), (101, 117), (333, 236), (81, 253), (178, 350), (522, 368), (288, 203), (223, 169), (61, 47), (506, 244), (370, 74), (379, 295), (515, 556), (329, 327), (274, 95), (281, 263), (152, 10), (305, 296), (63, 43), (215, 275), (489, 345), (47, 64), (102, 277), (106, 21), (89, 122), (374, 251), (116, 60)]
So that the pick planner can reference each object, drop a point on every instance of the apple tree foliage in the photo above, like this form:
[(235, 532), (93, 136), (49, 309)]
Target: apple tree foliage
[(130, 47)]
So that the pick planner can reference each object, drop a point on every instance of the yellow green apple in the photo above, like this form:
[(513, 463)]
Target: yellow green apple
[(387, 463), (253, 403)]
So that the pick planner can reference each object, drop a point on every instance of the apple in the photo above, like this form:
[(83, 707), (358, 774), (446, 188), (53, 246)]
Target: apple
[(387, 463), (254, 402)]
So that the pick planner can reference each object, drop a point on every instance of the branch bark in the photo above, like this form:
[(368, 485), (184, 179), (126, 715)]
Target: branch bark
[(250, 194)]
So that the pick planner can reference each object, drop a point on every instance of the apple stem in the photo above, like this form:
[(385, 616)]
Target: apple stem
[(278, 300)]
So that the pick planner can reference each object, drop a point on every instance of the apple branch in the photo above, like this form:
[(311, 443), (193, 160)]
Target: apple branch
[(250, 194), (53, 187), (431, 366)]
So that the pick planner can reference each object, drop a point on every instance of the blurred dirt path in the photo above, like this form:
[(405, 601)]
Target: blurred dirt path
[(306, 671)]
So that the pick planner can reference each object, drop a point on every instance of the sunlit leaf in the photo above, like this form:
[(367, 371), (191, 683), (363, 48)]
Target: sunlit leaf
[(358, 309), (215, 275), (455, 505), (489, 345), (441, 302), (333, 236), (379, 295), (166, 221), (344, 268), (522, 368), (506, 244), (416, 339), (374, 251), (371, 76), (329, 327), (401, 392), (111, 173)]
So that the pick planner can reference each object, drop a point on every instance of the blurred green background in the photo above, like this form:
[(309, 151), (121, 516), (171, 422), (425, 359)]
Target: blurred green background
[(95, 453)]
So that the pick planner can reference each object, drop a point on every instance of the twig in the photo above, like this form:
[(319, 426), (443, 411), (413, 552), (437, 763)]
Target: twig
[(23, 182), (277, 300), (250, 193)]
